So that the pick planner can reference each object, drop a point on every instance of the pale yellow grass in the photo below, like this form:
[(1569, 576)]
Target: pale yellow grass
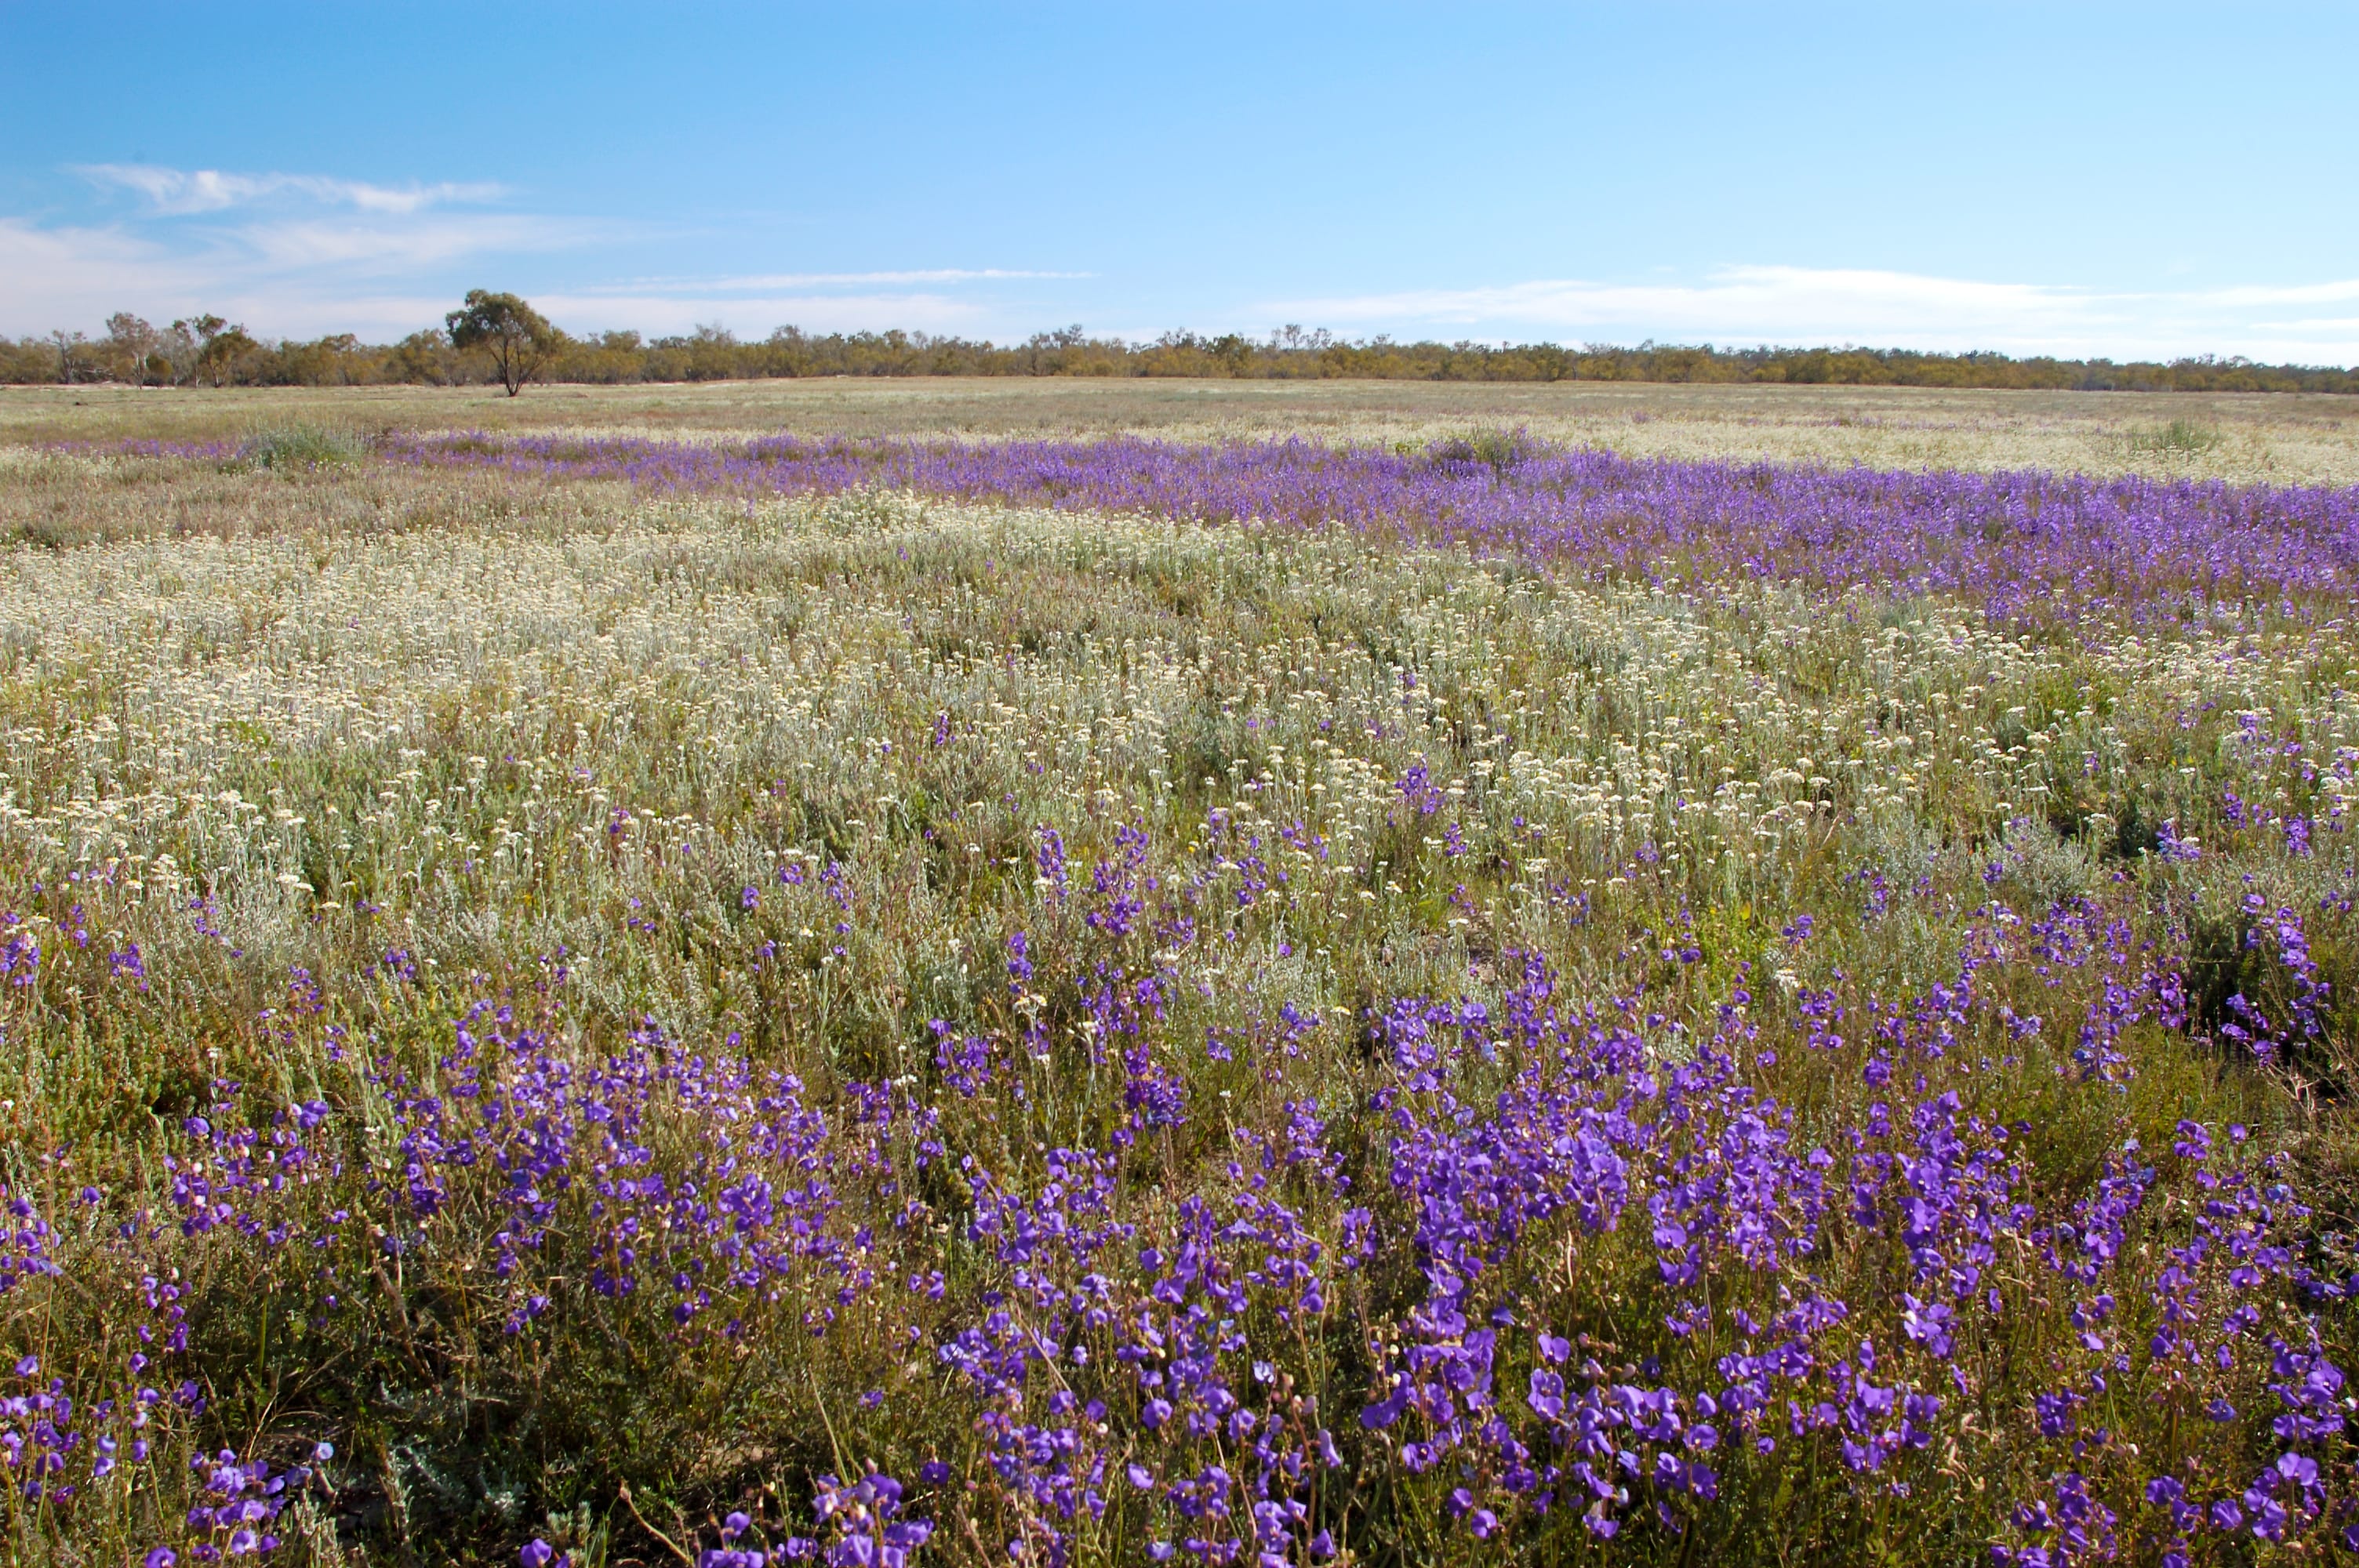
[(2277, 438)]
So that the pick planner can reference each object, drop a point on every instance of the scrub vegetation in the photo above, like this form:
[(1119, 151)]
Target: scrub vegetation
[(476, 349)]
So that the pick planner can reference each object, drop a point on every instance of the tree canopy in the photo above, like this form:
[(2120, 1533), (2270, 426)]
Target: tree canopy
[(518, 337)]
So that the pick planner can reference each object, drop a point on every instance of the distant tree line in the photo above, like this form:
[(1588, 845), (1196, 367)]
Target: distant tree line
[(508, 348)]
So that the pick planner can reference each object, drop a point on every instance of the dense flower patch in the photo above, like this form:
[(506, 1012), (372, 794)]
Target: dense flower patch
[(1837, 1301), (874, 1033), (2015, 544)]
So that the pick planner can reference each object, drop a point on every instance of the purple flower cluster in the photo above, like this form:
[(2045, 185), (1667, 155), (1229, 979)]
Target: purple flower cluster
[(2029, 544), (58, 1456), (862, 1525), (1548, 1265)]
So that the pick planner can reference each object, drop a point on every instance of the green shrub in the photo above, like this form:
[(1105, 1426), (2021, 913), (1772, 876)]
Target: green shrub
[(301, 447), (2180, 439)]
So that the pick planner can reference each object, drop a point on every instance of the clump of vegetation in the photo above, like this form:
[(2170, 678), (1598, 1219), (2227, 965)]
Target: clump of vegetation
[(300, 448), (2179, 438), (1501, 451)]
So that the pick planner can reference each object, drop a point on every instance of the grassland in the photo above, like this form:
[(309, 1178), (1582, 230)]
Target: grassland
[(656, 1024), (2273, 438)]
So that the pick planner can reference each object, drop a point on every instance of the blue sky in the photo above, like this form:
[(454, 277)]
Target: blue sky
[(2131, 179)]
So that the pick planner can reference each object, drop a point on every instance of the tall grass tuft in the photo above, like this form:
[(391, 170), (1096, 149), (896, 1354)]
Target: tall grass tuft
[(2179, 438), (301, 447), (1502, 451)]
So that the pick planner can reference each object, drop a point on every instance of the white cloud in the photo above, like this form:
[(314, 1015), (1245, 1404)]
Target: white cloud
[(384, 247), (1885, 310), (180, 192), (286, 254), (41, 260), (930, 274), (275, 281), (755, 316), (296, 255), (759, 282), (754, 305)]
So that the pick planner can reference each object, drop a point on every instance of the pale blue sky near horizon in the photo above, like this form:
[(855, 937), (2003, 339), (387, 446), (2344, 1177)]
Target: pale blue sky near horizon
[(2086, 179)]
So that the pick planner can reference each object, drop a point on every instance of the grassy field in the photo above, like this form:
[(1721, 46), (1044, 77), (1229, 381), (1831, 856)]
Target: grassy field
[(2283, 440), (551, 1015)]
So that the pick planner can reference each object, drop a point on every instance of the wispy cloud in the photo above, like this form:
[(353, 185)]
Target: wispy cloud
[(1803, 305), (75, 276), (913, 310), (379, 248), (929, 275), (182, 192), (289, 254), (297, 253), (823, 301), (732, 293)]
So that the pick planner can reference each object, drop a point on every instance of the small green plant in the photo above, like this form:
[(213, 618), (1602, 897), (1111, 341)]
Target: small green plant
[(300, 448), (1502, 451), (2180, 439)]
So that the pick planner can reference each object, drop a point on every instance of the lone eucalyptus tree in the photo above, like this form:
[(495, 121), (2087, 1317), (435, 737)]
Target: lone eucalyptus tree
[(518, 337)]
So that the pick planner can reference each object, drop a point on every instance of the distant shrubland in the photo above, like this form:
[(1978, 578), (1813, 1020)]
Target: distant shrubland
[(211, 352)]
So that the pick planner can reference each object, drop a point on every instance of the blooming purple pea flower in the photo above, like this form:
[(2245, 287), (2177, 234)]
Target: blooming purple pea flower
[(2010, 543)]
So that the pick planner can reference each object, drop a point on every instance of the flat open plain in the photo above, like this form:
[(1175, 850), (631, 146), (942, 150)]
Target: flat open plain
[(2273, 438), (576, 980)]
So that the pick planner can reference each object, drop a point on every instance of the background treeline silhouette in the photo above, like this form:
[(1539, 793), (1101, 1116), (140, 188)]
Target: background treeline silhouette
[(210, 352)]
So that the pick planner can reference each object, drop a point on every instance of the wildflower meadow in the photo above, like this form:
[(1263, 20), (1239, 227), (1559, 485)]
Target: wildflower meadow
[(597, 998)]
